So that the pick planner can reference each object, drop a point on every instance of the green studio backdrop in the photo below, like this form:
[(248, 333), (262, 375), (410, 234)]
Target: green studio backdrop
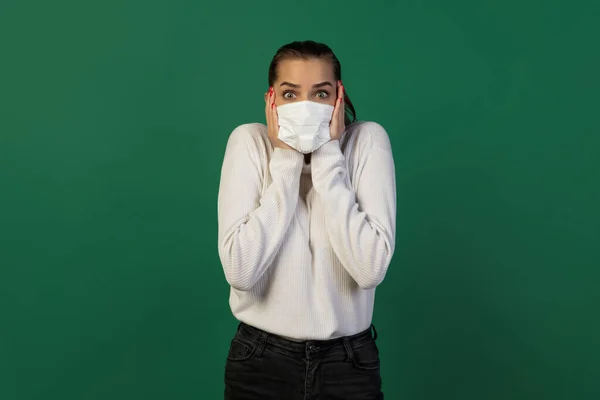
[(114, 117)]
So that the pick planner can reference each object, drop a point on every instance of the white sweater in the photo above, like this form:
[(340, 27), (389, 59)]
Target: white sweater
[(304, 246)]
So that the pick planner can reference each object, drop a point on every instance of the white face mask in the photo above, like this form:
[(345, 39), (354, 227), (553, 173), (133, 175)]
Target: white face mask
[(304, 125)]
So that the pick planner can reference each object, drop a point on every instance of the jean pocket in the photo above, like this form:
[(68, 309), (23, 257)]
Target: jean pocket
[(366, 355), (240, 350)]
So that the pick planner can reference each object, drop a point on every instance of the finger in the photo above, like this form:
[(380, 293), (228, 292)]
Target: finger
[(268, 107), (266, 96), (338, 104), (340, 99), (274, 117), (342, 105)]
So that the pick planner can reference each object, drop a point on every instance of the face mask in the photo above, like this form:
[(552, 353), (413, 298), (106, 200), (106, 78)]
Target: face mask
[(304, 125)]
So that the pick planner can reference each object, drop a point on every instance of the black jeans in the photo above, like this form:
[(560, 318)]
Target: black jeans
[(261, 366)]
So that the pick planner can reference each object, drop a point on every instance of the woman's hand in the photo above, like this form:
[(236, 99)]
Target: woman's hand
[(272, 121), (337, 125)]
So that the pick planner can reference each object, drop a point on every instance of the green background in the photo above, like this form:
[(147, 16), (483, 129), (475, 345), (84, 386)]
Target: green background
[(114, 117)]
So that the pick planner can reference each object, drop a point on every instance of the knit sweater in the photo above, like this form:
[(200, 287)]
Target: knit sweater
[(303, 246)]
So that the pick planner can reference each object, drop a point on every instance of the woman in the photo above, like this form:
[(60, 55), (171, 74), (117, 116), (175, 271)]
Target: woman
[(307, 208)]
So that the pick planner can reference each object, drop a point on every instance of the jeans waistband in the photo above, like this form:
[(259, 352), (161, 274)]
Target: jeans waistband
[(261, 337)]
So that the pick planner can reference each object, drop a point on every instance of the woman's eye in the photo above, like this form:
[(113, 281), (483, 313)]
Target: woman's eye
[(322, 95), (288, 95)]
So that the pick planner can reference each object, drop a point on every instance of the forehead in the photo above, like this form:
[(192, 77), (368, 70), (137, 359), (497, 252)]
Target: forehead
[(305, 72)]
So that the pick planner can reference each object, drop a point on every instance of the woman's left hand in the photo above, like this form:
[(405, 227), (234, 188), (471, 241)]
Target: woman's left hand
[(337, 125)]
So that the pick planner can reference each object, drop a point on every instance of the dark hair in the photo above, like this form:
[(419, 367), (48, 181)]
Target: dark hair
[(309, 49)]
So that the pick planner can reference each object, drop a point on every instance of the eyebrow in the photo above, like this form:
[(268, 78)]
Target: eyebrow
[(317, 85)]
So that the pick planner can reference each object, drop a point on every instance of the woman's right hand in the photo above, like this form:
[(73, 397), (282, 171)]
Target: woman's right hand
[(273, 122)]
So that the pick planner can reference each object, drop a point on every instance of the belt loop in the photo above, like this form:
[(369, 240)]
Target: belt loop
[(374, 332), (348, 347), (262, 342)]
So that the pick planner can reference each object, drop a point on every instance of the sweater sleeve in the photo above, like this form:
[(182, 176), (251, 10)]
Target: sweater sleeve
[(360, 223), (251, 227)]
